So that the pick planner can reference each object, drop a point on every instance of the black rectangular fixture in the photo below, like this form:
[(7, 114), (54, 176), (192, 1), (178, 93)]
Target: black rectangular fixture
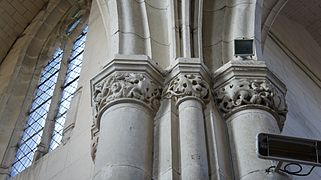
[(243, 47), (289, 149)]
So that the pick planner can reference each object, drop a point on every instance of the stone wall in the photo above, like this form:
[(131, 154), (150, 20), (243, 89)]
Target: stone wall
[(290, 53), (19, 77), (28, 57)]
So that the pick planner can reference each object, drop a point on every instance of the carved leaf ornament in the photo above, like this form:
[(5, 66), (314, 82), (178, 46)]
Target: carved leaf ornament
[(188, 85), (126, 85), (122, 85), (245, 92)]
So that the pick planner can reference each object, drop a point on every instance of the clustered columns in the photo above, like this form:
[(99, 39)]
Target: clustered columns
[(251, 100), (191, 92), (126, 95), (125, 104)]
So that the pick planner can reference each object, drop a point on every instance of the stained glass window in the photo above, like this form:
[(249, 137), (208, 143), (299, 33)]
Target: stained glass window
[(45, 91)]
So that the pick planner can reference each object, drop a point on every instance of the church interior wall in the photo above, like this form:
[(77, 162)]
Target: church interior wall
[(289, 52)]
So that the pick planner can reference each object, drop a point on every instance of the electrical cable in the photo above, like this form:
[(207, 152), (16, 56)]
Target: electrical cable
[(285, 169), (269, 169), (295, 173)]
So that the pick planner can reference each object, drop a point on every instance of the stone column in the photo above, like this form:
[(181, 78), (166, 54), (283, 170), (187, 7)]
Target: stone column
[(125, 104), (191, 93), (251, 99)]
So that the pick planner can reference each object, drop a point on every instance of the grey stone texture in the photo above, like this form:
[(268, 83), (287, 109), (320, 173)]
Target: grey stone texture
[(161, 94)]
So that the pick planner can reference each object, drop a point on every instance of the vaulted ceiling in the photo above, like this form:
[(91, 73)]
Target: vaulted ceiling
[(15, 16), (306, 13)]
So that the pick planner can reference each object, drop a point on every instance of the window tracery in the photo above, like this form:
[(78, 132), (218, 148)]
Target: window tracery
[(65, 65), (69, 87), (38, 113)]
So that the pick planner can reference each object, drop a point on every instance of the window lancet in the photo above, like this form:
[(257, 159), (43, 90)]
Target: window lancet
[(69, 87), (42, 104), (38, 113)]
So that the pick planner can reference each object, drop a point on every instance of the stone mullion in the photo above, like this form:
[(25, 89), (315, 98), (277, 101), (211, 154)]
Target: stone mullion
[(43, 147)]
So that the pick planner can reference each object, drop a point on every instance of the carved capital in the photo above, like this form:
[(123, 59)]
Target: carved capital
[(122, 86), (126, 85), (248, 92), (185, 85)]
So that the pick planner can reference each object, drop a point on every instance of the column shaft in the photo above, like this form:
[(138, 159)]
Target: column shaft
[(125, 143), (194, 164), (243, 128), (125, 103), (252, 102)]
